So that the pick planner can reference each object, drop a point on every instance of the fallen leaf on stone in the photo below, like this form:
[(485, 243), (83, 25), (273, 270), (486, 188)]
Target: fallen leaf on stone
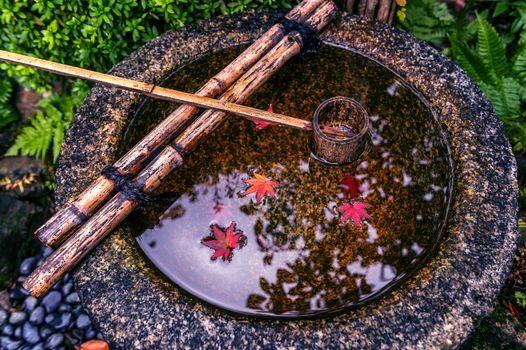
[(223, 242), (260, 124), (356, 211), (514, 311), (95, 344), (261, 185)]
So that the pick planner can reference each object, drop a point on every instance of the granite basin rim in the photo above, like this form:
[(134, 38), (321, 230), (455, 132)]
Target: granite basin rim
[(438, 307)]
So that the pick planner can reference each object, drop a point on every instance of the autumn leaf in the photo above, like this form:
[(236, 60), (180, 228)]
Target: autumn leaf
[(95, 344), (514, 311), (261, 185), (350, 186), (261, 124), (223, 242), (356, 211)]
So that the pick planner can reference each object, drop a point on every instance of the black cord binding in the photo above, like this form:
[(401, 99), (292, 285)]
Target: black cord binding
[(309, 36), (129, 189)]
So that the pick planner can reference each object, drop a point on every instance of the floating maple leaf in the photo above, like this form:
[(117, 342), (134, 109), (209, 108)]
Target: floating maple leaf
[(261, 185), (356, 211), (260, 124), (223, 242), (351, 186)]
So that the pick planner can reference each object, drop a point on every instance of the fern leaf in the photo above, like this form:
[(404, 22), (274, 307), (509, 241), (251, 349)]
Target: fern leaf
[(7, 112), (471, 62), (519, 65), (505, 97), (491, 48), (33, 140)]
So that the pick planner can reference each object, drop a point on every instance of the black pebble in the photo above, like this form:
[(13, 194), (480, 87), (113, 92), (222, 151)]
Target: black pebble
[(18, 332), (83, 321), (18, 293), (51, 301), (10, 344), (62, 321), (91, 333), (47, 252), (17, 318), (26, 267), (64, 308), (67, 288), (73, 298), (39, 346), (54, 340), (30, 304), (50, 318), (45, 331), (37, 316), (78, 310), (8, 330), (3, 317), (30, 333)]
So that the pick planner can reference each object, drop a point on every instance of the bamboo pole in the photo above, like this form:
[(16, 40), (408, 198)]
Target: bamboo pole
[(383, 10), (59, 227), (120, 206), (156, 91)]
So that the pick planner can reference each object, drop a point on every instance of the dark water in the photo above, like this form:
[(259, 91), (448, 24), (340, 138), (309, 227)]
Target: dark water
[(299, 258)]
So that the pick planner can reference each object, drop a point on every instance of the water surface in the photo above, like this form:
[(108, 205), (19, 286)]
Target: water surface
[(300, 259)]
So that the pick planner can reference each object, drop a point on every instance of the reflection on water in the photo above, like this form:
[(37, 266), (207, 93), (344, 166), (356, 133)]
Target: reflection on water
[(299, 258)]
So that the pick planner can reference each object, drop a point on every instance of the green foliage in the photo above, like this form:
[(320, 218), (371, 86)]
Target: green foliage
[(428, 20), (7, 112), (520, 298), (43, 137), (95, 33), (496, 61), (501, 78)]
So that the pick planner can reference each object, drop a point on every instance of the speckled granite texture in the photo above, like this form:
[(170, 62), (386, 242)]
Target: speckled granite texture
[(438, 307)]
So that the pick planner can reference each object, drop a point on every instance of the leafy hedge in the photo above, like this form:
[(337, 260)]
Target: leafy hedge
[(97, 33), (493, 54), (93, 34)]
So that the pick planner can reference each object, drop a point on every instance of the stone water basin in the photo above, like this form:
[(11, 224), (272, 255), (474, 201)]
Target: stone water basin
[(300, 259), (420, 272)]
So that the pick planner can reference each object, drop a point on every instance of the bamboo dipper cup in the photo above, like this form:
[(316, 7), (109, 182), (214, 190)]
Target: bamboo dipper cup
[(347, 115)]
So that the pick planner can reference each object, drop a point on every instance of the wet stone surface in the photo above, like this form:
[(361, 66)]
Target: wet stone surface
[(438, 307)]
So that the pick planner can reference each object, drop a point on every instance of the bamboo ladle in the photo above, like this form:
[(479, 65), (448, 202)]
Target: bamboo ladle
[(164, 93)]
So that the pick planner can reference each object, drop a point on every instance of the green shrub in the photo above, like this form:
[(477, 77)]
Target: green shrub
[(96, 33), (428, 20), (496, 61), (7, 112), (502, 78), (93, 34)]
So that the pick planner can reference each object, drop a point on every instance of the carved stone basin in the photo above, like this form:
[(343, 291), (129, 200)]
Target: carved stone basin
[(437, 306)]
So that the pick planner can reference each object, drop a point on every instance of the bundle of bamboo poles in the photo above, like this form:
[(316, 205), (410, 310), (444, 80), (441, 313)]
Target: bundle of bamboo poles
[(80, 225), (381, 10)]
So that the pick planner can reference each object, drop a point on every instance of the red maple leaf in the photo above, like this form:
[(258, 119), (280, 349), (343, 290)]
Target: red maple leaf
[(260, 124), (356, 211), (351, 186), (223, 242), (261, 185)]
